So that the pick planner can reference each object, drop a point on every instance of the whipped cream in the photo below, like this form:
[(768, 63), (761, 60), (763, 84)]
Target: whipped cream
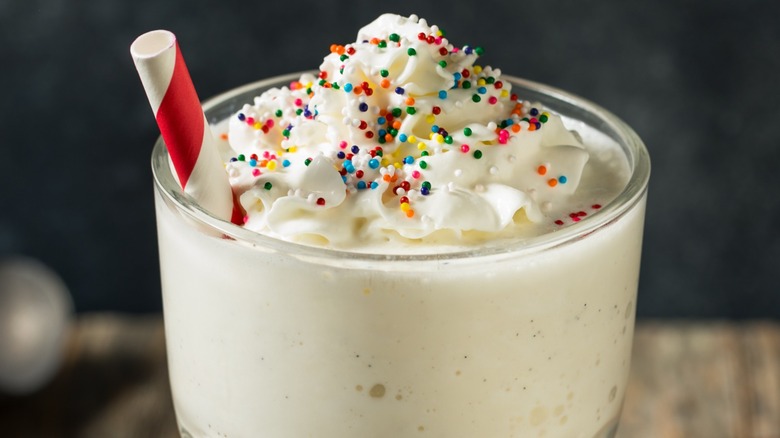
[(401, 136)]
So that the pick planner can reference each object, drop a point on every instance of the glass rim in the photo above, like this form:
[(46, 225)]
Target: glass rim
[(631, 194)]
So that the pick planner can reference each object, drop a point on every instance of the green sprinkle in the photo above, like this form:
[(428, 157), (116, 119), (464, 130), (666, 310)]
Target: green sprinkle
[(443, 63), (394, 37), (322, 82), (448, 139), (479, 50), (286, 133), (396, 112), (478, 154), (467, 132), (393, 132), (384, 73), (307, 161), (344, 57), (466, 85), (423, 165), (411, 51), (308, 91), (476, 98), (379, 153), (382, 44), (381, 140), (278, 113), (426, 184), (410, 110), (335, 86), (241, 157), (268, 185), (299, 111), (543, 118), (424, 154)]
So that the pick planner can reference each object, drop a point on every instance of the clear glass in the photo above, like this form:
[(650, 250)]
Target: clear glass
[(527, 338)]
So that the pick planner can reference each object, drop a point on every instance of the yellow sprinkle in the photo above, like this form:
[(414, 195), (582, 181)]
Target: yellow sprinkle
[(430, 118), (308, 85), (280, 152), (397, 165), (411, 139), (546, 114), (439, 33), (385, 162), (292, 149), (504, 93), (430, 136), (271, 165), (439, 138), (421, 146), (477, 69), (405, 206), (481, 81), (257, 125)]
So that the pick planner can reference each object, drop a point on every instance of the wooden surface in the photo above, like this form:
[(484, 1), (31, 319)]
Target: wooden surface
[(688, 379)]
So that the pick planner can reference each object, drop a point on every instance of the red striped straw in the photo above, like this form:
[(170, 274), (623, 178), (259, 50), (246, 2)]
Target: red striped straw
[(175, 104)]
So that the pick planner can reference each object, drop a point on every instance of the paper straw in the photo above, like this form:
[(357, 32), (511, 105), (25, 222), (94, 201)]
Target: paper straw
[(167, 82)]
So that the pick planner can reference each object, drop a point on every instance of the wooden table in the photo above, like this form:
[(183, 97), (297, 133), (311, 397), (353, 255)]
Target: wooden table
[(688, 379)]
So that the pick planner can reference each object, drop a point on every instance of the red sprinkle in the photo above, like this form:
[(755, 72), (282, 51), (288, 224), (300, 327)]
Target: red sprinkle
[(320, 201)]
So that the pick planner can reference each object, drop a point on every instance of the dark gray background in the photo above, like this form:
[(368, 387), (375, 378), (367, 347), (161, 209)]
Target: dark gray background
[(696, 79)]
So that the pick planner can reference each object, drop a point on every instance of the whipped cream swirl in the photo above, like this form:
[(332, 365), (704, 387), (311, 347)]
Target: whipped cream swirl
[(401, 134)]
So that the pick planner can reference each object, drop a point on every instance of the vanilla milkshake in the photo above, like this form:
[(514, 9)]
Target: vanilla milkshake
[(430, 248)]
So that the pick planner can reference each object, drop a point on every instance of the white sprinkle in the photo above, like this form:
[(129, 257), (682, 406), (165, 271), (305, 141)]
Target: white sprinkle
[(311, 198), (458, 173), (493, 170), (479, 188), (492, 126), (355, 123), (546, 206), (401, 191), (511, 158)]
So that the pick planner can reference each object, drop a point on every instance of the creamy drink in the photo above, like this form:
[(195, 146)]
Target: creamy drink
[(431, 248)]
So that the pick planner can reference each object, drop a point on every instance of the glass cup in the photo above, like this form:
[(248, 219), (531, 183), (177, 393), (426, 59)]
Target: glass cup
[(522, 338)]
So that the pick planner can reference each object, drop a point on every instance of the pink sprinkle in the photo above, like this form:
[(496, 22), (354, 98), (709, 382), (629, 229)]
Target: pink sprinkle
[(576, 218), (343, 144), (438, 40), (455, 50), (464, 148), (269, 123), (533, 120), (298, 102), (502, 140), (492, 100), (255, 172), (250, 120), (245, 219), (416, 174), (266, 154)]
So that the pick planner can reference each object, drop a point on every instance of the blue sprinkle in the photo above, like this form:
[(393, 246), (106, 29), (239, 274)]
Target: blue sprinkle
[(361, 185), (402, 137), (443, 94), (468, 50), (285, 163), (355, 149), (456, 76), (562, 179), (363, 107), (382, 132), (381, 120), (425, 191), (538, 125), (233, 160), (253, 162), (373, 163), (344, 178), (509, 122), (481, 90), (241, 117), (534, 112), (347, 87), (435, 128), (399, 90), (341, 155), (409, 159), (374, 185)]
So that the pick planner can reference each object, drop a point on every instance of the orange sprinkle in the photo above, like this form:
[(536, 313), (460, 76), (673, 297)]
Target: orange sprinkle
[(552, 182), (223, 136), (374, 40), (541, 170), (263, 163), (394, 178), (388, 138), (385, 83), (396, 124), (410, 213), (386, 177), (532, 127), (515, 128), (382, 112), (327, 85), (358, 89), (410, 101), (333, 47)]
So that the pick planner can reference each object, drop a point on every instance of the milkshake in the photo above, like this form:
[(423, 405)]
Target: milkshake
[(430, 248)]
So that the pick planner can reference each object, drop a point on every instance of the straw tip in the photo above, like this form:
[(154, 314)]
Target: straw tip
[(152, 44)]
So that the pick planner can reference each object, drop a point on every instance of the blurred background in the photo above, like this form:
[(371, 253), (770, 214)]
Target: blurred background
[(696, 79)]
